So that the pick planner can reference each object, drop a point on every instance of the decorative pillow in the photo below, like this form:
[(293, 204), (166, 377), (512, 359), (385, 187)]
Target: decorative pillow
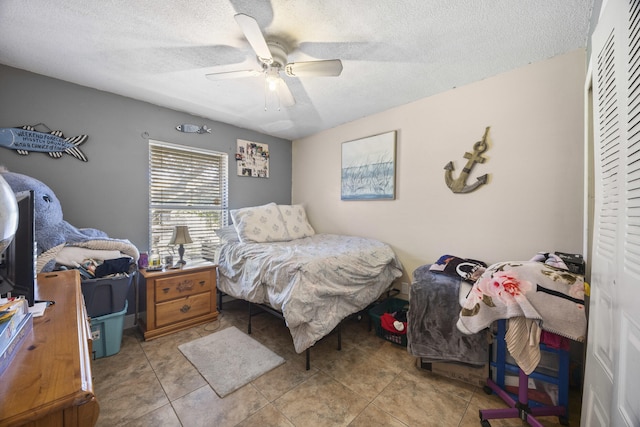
[(260, 224), (227, 234), (295, 220)]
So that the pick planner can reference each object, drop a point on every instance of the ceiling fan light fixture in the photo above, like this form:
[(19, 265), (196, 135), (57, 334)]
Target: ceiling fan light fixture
[(272, 57), (272, 79)]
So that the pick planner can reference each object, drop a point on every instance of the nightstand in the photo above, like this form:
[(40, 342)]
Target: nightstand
[(178, 298)]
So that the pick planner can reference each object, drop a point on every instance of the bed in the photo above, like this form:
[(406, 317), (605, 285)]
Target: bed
[(271, 256)]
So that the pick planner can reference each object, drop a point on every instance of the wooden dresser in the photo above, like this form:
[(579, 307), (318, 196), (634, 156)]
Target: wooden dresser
[(49, 381), (178, 298)]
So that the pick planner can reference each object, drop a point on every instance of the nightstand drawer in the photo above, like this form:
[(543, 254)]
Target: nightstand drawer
[(178, 299), (183, 308), (183, 285)]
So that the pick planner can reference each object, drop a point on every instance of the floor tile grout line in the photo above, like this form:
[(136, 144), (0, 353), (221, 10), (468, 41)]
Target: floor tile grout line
[(232, 320), (155, 373)]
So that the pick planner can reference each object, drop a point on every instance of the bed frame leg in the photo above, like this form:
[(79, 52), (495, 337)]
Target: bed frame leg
[(308, 359), (339, 337), (250, 315), (219, 294)]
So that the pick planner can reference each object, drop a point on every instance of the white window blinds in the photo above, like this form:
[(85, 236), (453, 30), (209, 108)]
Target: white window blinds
[(187, 186)]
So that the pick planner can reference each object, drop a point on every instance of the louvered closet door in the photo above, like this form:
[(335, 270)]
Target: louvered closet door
[(612, 381)]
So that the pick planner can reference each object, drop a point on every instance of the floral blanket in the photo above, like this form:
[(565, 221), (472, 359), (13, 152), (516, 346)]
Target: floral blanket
[(550, 295)]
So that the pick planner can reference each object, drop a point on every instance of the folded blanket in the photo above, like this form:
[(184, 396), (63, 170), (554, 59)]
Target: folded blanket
[(431, 322), (45, 259), (71, 255), (553, 296)]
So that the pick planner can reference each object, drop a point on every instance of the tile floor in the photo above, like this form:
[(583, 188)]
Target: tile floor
[(371, 382)]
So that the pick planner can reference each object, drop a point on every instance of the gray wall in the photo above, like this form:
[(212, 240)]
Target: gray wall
[(109, 192)]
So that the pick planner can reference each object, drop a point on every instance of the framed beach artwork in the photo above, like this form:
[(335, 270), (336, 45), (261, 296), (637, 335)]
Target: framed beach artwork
[(369, 168), (252, 159)]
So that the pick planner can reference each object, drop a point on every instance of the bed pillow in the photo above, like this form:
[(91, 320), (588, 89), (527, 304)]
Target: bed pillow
[(260, 224), (295, 220), (227, 234)]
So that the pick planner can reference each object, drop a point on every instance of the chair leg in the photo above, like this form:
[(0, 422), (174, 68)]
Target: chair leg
[(518, 409)]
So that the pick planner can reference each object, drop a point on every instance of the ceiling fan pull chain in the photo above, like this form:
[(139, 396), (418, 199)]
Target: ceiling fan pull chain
[(278, 98), (265, 94)]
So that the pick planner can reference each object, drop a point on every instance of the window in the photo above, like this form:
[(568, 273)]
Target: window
[(187, 186)]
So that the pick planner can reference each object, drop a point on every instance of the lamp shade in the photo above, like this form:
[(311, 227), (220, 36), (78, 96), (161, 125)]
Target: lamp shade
[(180, 235), (8, 215)]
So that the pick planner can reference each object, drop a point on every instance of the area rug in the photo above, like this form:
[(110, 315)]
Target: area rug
[(230, 359)]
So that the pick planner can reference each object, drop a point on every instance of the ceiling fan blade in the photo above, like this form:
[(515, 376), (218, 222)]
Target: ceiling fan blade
[(253, 34), (329, 67), (238, 74)]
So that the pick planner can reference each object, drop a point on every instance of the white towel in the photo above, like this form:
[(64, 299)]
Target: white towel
[(523, 342)]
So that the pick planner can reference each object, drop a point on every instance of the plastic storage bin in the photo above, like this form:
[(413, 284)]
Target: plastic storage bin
[(106, 295), (106, 333), (547, 385), (390, 305)]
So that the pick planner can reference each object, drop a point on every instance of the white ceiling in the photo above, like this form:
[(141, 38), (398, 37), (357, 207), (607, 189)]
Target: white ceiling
[(393, 51)]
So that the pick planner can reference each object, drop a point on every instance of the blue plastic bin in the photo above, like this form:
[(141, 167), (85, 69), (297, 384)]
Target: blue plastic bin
[(106, 333)]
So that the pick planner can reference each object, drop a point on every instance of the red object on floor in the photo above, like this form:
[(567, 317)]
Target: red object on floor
[(386, 321)]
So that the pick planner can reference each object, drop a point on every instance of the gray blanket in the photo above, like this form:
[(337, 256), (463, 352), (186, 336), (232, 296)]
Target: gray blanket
[(431, 322)]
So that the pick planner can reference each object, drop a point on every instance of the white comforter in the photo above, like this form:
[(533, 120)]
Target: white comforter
[(315, 281)]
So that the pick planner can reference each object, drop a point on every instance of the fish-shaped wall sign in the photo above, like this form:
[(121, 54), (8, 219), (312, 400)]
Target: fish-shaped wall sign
[(187, 128), (26, 139)]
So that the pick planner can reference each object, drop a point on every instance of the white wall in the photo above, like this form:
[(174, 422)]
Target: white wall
[(532, 202)]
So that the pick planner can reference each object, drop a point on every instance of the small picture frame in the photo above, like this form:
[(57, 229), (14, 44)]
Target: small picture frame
[(252, 159)]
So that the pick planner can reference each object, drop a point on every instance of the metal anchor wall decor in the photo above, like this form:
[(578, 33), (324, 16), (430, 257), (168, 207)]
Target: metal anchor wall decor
[(459, 185)]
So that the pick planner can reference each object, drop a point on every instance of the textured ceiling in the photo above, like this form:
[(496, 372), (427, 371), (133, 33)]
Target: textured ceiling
[(393, 51)]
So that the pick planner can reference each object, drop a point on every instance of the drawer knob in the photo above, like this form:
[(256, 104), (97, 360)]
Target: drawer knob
[(185, 285), (166, 290), (185, 308), (202, 282)]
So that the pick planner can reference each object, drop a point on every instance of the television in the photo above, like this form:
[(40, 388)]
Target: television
[(18, 266)]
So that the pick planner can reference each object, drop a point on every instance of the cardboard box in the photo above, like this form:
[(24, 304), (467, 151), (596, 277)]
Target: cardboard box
[(469, 374)]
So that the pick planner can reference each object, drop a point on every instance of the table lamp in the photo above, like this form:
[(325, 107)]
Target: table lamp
[(180, 237)]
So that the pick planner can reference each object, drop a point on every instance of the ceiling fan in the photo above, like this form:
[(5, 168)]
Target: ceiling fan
[(272, 57)]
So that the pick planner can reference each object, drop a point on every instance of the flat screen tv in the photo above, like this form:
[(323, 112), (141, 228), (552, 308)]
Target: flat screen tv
[(18, 267)]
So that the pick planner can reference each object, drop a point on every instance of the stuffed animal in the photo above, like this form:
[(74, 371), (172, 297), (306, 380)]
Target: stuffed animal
[(52, 232)]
